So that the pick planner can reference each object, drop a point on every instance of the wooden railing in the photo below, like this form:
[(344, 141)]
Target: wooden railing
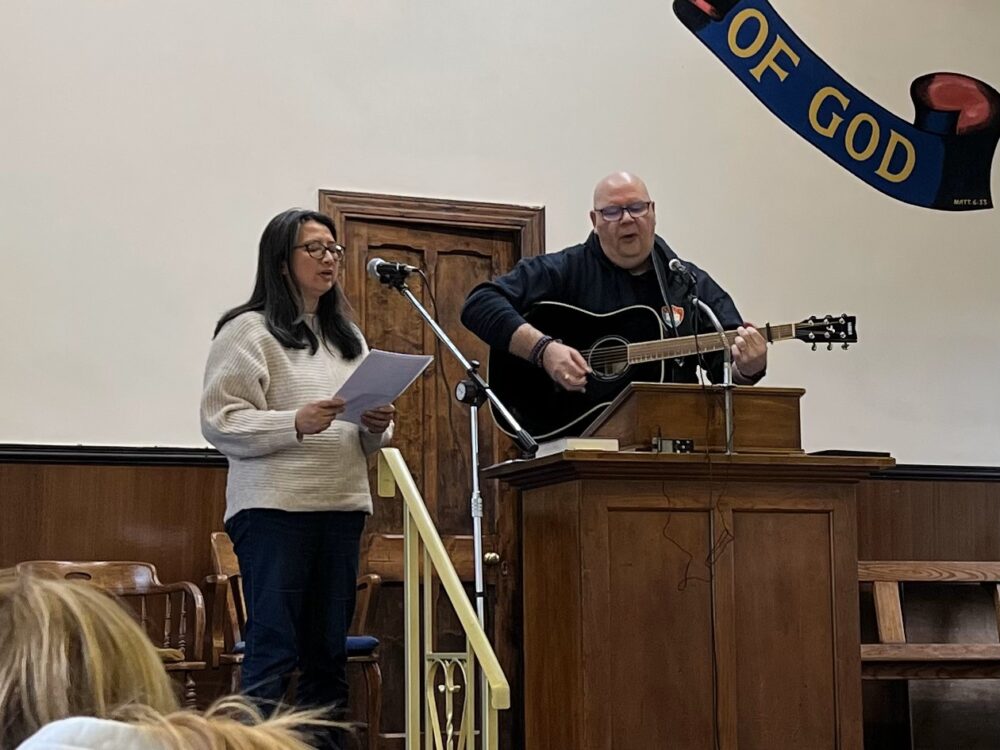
[(445, 675)]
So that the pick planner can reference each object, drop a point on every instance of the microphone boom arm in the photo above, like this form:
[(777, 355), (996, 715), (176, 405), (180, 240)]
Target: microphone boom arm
[(525, 442)]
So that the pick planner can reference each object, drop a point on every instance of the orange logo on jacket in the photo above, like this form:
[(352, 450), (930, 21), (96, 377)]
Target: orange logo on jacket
[(674, 320)]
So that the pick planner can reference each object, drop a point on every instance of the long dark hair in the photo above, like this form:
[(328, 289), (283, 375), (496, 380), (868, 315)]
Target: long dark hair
[(276, 296)]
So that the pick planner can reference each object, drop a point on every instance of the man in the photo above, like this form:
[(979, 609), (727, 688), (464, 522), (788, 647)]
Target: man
[(612, 269)]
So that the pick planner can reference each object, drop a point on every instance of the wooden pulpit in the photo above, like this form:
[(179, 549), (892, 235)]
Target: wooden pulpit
[(692, 601)]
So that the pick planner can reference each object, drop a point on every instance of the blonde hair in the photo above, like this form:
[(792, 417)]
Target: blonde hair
[(68, 649), (231, 723)]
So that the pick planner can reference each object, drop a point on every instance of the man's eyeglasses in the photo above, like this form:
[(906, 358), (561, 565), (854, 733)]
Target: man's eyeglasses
[(318, 250), (615, 213)]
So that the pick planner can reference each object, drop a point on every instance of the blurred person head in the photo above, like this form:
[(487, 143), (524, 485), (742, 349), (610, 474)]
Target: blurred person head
[(69, 650)]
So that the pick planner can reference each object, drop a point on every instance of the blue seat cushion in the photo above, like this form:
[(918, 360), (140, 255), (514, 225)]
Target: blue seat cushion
[(357, 645), (361, 645)]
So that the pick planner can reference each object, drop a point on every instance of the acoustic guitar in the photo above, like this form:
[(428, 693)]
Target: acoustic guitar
[(621, 347)]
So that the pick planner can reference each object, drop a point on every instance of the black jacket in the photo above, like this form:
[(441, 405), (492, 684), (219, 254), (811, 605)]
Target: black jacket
[(583, 276)]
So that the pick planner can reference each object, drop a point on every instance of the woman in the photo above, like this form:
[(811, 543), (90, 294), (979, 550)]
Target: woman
[(76, 671), (297, 493)]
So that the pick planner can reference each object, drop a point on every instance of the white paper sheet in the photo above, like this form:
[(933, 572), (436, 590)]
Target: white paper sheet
[(380, 379)]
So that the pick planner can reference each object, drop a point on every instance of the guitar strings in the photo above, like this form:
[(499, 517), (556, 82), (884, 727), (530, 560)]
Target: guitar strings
[(619, 354)]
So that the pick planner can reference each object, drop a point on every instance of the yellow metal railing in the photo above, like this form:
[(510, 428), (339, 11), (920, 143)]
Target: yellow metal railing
[(445, 675)]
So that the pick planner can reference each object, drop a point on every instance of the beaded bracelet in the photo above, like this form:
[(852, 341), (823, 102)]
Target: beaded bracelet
[(541, 353), (539, 349)]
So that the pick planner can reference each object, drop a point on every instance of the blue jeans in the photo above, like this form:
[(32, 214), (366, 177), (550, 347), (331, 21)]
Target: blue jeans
[(299, 580)]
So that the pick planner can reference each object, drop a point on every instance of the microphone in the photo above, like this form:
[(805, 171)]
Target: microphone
[(677, 266), (383, 270)]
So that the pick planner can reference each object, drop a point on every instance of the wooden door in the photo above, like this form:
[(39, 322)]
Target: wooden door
[(458, 245)]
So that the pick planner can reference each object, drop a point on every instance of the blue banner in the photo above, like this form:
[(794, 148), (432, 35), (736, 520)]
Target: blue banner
[(940, 161)]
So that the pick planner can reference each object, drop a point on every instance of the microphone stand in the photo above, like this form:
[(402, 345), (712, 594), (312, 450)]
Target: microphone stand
[(727, 370), (474, 391)]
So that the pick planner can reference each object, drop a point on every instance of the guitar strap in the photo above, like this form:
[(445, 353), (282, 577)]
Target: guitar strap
[(662, 278)]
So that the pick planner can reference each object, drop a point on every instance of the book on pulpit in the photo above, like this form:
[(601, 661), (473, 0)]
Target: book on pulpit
[(559, 445)]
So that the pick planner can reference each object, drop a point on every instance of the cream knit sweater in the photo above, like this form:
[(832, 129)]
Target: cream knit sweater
[(253, 387)]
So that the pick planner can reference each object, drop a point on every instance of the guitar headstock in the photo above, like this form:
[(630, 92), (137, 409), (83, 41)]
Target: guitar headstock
[(829, 330)]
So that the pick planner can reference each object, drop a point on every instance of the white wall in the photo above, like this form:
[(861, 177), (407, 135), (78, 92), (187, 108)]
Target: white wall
[(144, 145)]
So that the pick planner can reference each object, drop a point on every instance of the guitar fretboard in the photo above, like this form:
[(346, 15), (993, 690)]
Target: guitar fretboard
[(650, 351)]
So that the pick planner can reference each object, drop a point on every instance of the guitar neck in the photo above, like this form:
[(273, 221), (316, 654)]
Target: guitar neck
[(650, 351)]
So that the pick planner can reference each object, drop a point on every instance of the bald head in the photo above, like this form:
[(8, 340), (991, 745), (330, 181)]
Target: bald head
[(615, 181), (626, 241)]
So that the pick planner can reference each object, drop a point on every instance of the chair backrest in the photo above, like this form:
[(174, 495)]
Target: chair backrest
[(224, 562), (110, 575), (172, 614)]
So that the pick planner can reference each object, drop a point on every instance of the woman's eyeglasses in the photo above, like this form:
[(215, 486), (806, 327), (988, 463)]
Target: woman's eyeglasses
[(318, 250)]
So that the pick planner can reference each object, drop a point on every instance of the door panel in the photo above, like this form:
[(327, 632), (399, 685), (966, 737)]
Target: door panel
[(432, 429)]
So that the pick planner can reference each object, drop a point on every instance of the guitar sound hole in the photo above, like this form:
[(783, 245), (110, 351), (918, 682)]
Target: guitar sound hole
[(608, 358)]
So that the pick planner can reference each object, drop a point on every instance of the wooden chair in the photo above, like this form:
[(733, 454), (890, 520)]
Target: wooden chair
[(894, 657), (172, 614), (228, 620)]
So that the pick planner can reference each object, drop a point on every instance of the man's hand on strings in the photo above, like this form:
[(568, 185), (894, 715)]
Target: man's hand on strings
[(566, 366), (749, 351)]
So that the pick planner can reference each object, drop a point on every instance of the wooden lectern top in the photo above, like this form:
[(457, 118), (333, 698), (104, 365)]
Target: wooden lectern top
[(638, 465), (765, 420), (767, 441)]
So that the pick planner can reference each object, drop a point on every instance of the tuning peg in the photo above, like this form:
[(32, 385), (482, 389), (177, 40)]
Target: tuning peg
[(814, 346), (829, 347), (844, 346)]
